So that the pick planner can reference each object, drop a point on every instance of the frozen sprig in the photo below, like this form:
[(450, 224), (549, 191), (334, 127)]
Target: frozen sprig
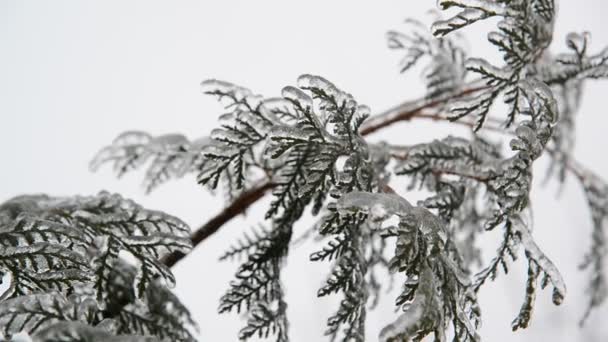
[(58, 247), (313, 126), (436, 288), (348, 275), (524, 32), (172, 156), (159, 314), (477, 165), (231, 153), (29, 313), (444, 70)]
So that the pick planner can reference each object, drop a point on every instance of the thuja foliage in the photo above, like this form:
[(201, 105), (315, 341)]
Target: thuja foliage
[(89, 269), (308, 145)]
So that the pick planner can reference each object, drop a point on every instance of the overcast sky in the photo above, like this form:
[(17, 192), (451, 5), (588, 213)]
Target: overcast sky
[(74, 74)]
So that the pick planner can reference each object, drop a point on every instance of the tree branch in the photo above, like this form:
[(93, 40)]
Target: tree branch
[(403, 112), (239, 205)]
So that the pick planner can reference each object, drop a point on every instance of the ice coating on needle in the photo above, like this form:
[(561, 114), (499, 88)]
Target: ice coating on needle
[(298, 96), (217, 87)]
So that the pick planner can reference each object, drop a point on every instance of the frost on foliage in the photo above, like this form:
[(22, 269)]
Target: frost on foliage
[(307, 143), (525, 30), (51, 317), (304, 134), (171, 155), (333, 133), (436, 291), (348, 275), (233, 151), (471, 11), (575, 65), (509, 178), (257, 288), (444, 71), (538, 264), (160, 314), (552, 82), (53, 247), (507, 182)]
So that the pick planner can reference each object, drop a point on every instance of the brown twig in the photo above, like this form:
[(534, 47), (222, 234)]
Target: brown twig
[(238, 206), (408, 110)]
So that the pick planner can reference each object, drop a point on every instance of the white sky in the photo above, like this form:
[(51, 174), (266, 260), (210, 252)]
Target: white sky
[(74, 74)]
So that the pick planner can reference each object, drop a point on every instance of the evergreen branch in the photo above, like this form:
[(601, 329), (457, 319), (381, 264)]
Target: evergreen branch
[(403, 112), (406, 111), (63, 258)]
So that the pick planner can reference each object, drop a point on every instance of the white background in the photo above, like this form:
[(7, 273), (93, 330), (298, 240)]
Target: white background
[(74, 74)]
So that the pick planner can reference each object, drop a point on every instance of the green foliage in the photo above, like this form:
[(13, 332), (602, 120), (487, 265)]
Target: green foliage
[(436, 290), (58, 247), (306, 132)]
